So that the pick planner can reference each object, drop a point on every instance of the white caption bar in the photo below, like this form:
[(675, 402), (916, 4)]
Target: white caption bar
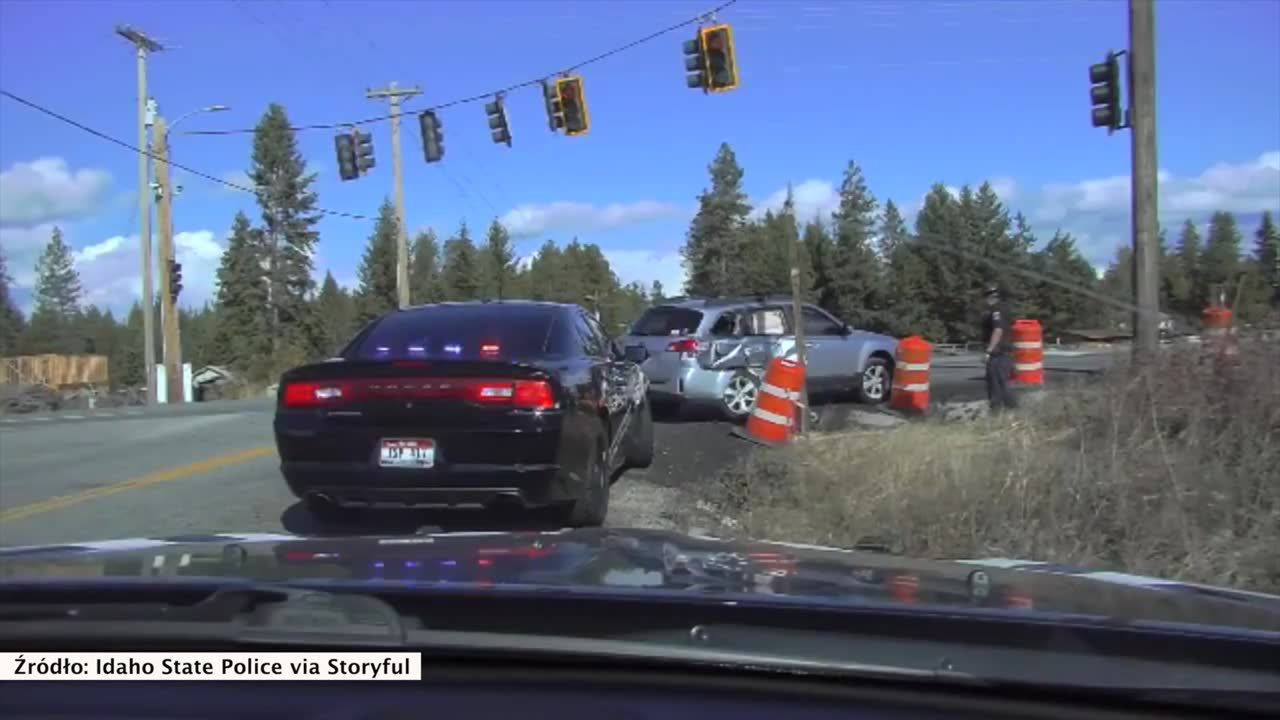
[(211, 666)]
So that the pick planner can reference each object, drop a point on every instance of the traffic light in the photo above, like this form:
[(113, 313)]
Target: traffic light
[(1105, 93), (175, 280), (555, 114), (497, 113), (364, 150), (573, 105), (346, 156), (711, 60), (432, 137)]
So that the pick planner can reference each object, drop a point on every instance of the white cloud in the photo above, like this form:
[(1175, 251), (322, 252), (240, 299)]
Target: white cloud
[(813, 198), (46, 190), (645, 266), (111, 274), (1096, 210), (525, 221), (1250, 186), (21, 248)]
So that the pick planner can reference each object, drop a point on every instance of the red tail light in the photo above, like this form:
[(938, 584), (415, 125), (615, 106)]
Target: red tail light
[(688, 346), (316, 394), (524, 394)]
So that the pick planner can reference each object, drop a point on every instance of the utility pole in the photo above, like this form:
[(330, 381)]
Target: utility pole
[(144, 44), (395, 96), (1142, 121), (797, 314), (168, 298)]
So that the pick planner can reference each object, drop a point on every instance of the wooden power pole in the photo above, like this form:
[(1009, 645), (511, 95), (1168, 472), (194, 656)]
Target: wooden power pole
[(797, 314), (144, 44), (168, 299), (1145, 198), (395, 95)]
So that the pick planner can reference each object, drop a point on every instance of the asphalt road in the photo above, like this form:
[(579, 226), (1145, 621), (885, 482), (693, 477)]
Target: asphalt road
[(211, 467)]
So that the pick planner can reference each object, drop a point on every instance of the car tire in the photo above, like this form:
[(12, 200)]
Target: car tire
[(739, 396), (640, 444), (875, 382), (590, 509)]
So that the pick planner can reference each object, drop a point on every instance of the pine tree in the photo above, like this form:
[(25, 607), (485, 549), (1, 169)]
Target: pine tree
[(1191, 292), (940, 231), (499, 262), (656, 295), (1267, 252), (461, 272), (1221, 258), (12, 324), (855, 290), (337, 315), (125, 365), (57, 307), (377, 292), (905, 279), (712, 251), (424, 270), (820, 250), (1117, 284), (546, 273), (240, 332), (1064, 308), (289, 236)]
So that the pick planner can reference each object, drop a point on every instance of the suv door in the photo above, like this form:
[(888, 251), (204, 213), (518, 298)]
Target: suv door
[(614, 373), (828, 354)]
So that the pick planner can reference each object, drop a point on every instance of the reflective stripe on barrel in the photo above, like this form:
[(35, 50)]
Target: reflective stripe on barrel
[(910, 390), (772, 420), (1028, 352)]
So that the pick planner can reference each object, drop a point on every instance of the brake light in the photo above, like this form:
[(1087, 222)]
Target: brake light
[(312, 394), (523, 394), (688, 346), (490, 350)]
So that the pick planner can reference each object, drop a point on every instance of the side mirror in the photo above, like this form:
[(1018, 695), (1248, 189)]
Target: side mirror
[(846, 329), (636, 354)]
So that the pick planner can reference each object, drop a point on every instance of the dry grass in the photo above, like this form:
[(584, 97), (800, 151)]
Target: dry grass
[(1173, 473)]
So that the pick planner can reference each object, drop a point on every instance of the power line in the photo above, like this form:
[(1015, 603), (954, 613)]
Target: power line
[(148, 153), (510, 88)]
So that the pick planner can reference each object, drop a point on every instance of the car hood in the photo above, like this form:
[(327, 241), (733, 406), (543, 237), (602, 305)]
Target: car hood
[(645, 562)]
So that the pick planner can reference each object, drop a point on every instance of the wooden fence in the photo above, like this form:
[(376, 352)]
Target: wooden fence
[(56, 371)]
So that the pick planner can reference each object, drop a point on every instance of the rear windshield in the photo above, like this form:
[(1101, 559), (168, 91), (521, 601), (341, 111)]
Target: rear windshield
[(667, 321), (467, 332)]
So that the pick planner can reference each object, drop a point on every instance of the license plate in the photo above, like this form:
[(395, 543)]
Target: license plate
[(417, 453)]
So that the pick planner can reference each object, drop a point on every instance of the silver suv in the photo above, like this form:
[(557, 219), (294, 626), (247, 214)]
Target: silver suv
[(713, 352)]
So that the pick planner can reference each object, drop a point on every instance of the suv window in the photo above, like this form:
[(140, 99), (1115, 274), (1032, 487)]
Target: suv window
[(726, 325), (766, 321), (457, 331), (667, 321), (592, 346), (817, 322)]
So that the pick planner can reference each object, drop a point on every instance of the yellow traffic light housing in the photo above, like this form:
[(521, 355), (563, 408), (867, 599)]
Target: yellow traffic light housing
[(720, 63), (573, 105)]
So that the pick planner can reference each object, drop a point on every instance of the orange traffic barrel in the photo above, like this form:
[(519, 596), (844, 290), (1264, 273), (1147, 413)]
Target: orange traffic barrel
[(910, 391), (773, 419), (1028, 352), (1218, 337)]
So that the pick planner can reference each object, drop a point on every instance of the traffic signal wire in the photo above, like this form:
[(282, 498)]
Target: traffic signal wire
[(699, 18), (200, 174)]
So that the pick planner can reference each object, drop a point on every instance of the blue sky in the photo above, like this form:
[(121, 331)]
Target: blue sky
[(917, 92)]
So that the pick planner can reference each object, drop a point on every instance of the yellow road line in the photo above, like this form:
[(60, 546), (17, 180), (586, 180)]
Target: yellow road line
[(161, 476)]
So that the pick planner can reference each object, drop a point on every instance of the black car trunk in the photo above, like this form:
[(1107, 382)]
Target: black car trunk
[(470, 411)]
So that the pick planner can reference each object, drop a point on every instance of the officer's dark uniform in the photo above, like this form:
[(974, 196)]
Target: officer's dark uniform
[(1000, 364)]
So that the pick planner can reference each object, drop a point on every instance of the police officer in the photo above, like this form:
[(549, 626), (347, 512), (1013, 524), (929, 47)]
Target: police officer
[(995, 336)]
